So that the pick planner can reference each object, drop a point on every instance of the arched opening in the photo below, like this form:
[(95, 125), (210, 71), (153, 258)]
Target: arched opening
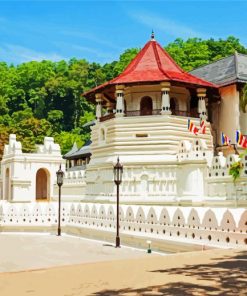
[(146, 107), (125, 106), (194, 106), (42, 184), (174, 106), (7, 187)]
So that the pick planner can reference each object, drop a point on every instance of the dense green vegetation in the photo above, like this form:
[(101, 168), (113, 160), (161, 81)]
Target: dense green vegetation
[(40, 99)]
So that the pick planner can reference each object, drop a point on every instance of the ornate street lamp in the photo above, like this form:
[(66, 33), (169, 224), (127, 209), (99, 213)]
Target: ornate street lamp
[(118, 172), (60, 175)]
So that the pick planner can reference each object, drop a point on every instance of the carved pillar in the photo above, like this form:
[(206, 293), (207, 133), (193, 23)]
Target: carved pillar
[(120, 100), (98, 106), (165, 98), (201, 93)]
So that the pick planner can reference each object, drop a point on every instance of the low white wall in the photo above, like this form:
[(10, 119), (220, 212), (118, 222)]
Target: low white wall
[(220, 227)]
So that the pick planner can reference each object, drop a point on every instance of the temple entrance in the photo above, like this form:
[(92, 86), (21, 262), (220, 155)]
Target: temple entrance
[(42, 184), (7, 187), (146, 107)]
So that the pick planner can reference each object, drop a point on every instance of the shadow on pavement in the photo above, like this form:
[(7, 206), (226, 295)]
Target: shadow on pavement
[(228, 277)]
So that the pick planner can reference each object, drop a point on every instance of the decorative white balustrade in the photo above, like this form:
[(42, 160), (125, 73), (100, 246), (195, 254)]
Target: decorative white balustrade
[(209, 226)]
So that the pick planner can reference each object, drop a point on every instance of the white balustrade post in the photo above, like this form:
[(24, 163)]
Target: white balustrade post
[(201, 93), (165, 98), (98, 106), (120, 100)]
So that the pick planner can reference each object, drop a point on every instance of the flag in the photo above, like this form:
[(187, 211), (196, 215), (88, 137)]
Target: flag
[(241, 139), (202, 129), (225, 140), (192, 128)]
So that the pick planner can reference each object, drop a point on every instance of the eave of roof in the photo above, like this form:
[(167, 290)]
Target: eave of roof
[(84, 151), (225, 71)]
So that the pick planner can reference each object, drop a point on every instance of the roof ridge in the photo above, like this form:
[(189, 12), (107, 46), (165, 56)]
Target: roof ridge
[(236, 63), (158, 60), (135, 61), (170, 58)]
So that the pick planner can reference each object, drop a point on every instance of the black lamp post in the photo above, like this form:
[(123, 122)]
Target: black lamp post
[(60, 175), (118, 172)]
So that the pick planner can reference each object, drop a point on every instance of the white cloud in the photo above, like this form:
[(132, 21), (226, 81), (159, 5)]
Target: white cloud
[(170, 27), (91, 37), (18, 54), (93, 51)]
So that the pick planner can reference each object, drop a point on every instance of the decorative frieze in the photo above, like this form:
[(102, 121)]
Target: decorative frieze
[(199, 225)]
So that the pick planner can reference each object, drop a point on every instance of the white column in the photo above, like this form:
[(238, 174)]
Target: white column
[(98, 106), (202, 110), (165, 98), (120, 100)]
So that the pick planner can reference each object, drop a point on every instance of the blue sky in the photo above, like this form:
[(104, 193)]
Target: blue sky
[(101, 30)]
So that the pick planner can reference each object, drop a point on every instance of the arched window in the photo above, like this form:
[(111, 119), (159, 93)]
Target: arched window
[(146, 107)]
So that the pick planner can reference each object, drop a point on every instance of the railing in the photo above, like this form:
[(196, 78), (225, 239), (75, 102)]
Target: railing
[(192, 113), (107, 117), (139, 113)]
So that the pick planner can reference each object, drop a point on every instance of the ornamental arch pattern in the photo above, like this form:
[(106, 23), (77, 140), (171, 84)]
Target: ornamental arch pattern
[(185, 224)]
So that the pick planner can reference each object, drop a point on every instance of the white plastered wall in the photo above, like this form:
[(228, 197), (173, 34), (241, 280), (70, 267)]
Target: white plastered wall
[(134, 94), (229, 112)]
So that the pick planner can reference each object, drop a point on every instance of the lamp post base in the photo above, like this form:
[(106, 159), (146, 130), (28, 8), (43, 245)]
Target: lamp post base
[(118, 242), (59, 231)]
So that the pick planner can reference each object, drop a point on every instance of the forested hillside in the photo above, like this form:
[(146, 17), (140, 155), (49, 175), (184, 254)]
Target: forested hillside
[(40, 99)]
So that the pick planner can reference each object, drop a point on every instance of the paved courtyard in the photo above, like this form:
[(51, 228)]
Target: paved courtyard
[(24, 251)]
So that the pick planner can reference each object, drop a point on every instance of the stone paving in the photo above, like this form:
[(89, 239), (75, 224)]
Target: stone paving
[(22, 251)]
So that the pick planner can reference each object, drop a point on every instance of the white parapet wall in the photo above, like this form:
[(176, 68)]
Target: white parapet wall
[(74, 186), (220, 183), (195, 226)]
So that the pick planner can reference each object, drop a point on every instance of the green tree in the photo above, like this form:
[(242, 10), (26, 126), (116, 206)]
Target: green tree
[(67, 139), (243, 99), (124, 60), (55, 117)]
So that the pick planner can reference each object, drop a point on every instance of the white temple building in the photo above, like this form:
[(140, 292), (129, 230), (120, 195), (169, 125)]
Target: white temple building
[(176, 186)]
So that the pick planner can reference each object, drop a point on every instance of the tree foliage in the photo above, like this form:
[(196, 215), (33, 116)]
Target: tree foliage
[(39, 99), (235, 170), (243, 99), (196, 52)]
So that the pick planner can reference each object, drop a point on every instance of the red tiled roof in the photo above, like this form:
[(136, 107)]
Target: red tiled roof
[(153, 64)]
